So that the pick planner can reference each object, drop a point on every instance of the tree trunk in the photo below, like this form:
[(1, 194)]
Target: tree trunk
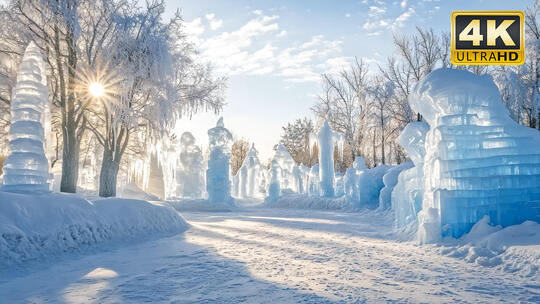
[(108, 174), (70, 161), (70, 123)]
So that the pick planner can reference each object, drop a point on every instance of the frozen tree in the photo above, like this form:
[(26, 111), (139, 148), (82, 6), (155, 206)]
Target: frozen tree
[(132, 51), (343, 103), (295, 138), (532, 24), (154, 82), (381, 93), (26, 167), (218, 184)]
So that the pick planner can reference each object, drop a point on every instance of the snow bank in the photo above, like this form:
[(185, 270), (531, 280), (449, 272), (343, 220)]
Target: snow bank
[(514, 249), (201, 205), (41, 226)]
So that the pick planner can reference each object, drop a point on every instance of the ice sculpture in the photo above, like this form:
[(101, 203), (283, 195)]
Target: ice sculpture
[(326, 139), (478, 160), (339, 184), (254, 165), (304, 174), (242, 181), (218, 184), (287, 165), (190, 173), (27, 168), (351, 188), (407, 194), (370, 183), (390, 180), (313, 184), (247, 174), (274, 189), (235, 185)]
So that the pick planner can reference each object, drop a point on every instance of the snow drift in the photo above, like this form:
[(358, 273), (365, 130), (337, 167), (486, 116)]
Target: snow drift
[(40, 226), (514, 249)]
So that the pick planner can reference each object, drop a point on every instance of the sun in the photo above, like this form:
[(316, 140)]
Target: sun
[(96, 89)]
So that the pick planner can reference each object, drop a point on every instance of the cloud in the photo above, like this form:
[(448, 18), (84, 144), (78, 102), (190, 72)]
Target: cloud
[(252, 49), (376, 25), (210, 16), (402, 19), (347, 15), (404, 4), (194, 28), (257, 12), (375, 11), (215, 24)]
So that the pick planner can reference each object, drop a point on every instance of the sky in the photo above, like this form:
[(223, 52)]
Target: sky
[(273, 52)]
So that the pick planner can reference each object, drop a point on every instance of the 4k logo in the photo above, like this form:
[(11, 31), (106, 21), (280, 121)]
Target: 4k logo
[(487, 37)]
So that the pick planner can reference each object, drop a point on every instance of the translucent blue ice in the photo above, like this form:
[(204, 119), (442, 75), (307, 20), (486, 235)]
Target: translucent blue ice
[(478, 160)]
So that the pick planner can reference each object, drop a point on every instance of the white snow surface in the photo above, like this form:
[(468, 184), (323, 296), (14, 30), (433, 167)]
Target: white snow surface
[(257, 255), (514, 249), (43, 226)]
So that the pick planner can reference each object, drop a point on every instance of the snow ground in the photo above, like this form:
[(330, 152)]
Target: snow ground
[(257, 255)]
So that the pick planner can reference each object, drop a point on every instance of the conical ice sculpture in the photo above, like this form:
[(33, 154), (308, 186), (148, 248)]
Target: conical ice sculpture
[(27, 168)]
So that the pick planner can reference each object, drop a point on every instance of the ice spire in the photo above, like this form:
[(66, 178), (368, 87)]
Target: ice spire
[(27, 168)]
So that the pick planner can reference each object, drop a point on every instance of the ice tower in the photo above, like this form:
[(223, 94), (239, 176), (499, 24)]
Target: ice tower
[(478, 160), (27, 168), (218, 184), (326, 139)]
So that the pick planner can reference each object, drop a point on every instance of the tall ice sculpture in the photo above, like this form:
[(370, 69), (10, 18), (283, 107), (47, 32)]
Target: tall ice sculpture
[(27, 167), (218, 184)]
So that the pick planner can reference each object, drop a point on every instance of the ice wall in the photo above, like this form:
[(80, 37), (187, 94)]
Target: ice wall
[(326, 140), (27, 167), (407, 194), (190, 170), (218, 184), (478, 160)]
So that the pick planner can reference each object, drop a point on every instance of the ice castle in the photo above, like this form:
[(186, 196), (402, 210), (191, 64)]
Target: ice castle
[(478, 160), (27, 167)]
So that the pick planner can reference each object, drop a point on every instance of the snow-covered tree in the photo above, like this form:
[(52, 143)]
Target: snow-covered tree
[(343, 103), (155, 81), (295, 138)]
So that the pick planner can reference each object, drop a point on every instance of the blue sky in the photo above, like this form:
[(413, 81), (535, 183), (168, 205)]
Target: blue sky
[(274, 51)]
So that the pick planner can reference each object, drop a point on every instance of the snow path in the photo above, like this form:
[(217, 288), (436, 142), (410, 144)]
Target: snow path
[(271, 256)]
